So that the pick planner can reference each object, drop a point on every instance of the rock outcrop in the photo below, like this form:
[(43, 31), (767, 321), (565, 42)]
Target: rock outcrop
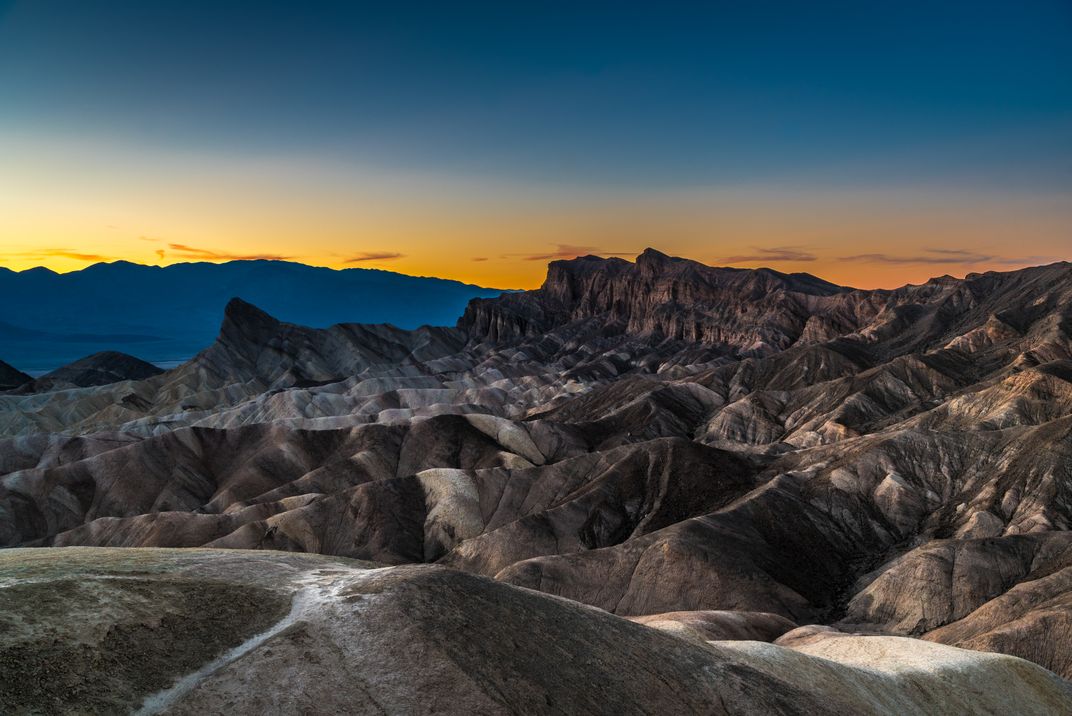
[(741, 311)]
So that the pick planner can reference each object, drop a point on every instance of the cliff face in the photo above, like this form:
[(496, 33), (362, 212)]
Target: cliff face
[(760, 312), (746, 312)]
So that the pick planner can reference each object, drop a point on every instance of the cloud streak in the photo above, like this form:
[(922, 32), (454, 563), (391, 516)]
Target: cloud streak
[(183, 251), (956, 257), (775, 253), (374, 256), (60, 254)]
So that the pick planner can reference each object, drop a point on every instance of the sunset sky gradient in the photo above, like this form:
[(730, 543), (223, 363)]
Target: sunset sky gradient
[(870, 144)]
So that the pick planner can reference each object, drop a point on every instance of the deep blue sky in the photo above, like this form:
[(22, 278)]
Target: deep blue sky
[(602, 91), (603, 96)]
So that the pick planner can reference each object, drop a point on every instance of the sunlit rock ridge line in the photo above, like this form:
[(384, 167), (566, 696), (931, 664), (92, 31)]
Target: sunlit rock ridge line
[(876, 483)]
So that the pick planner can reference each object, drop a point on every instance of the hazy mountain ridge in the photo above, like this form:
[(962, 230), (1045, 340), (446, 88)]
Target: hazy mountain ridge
[(169, 313)]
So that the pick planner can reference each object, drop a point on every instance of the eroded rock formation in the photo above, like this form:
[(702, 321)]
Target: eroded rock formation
[(718, 452)]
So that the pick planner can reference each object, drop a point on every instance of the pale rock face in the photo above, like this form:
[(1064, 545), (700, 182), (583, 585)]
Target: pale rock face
[(453, 509), (719, 453)]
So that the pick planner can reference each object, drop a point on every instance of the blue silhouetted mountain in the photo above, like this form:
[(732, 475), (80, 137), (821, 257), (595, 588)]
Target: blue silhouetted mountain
[(167, 314)]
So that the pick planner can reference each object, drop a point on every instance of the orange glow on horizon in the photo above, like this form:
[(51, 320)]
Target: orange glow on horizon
[(512, 274), (59, 209)]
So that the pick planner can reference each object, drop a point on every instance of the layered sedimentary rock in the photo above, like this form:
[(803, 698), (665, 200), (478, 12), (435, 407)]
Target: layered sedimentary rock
[(713, 451)]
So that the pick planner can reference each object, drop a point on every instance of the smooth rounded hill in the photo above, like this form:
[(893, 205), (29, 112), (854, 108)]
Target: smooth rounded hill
[(202, 631), (101, 368)]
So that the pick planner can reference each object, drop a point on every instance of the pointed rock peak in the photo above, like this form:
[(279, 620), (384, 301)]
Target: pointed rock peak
[(650, 255), (11, 377), (242, 321), (651, 261), (654, 258), (244, 311)]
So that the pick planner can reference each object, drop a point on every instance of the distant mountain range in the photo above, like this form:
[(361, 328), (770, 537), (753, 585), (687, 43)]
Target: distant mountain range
[(167, 314)]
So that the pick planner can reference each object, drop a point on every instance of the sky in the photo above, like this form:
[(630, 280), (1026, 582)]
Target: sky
[(872, 144)]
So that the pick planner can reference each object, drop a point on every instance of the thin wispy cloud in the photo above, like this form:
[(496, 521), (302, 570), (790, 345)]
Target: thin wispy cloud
[(775, 253), (480, 258), (183, 251), (961, 257), (569, 251), (80, 256), (373, 256), (48, 253)]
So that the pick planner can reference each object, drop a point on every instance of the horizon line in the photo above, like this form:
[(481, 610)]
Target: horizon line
[(617, 255)]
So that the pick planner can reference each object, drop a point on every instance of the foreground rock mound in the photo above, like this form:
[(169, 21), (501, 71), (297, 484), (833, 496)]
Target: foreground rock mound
[(201, 631)]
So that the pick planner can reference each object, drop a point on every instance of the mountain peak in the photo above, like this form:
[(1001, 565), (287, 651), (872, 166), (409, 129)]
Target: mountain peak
[(243, 323), (654, 256), (11, 377), (244, 311)]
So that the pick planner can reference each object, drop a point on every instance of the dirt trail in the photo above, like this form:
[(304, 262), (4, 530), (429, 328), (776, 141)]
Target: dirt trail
[(318, 587)]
